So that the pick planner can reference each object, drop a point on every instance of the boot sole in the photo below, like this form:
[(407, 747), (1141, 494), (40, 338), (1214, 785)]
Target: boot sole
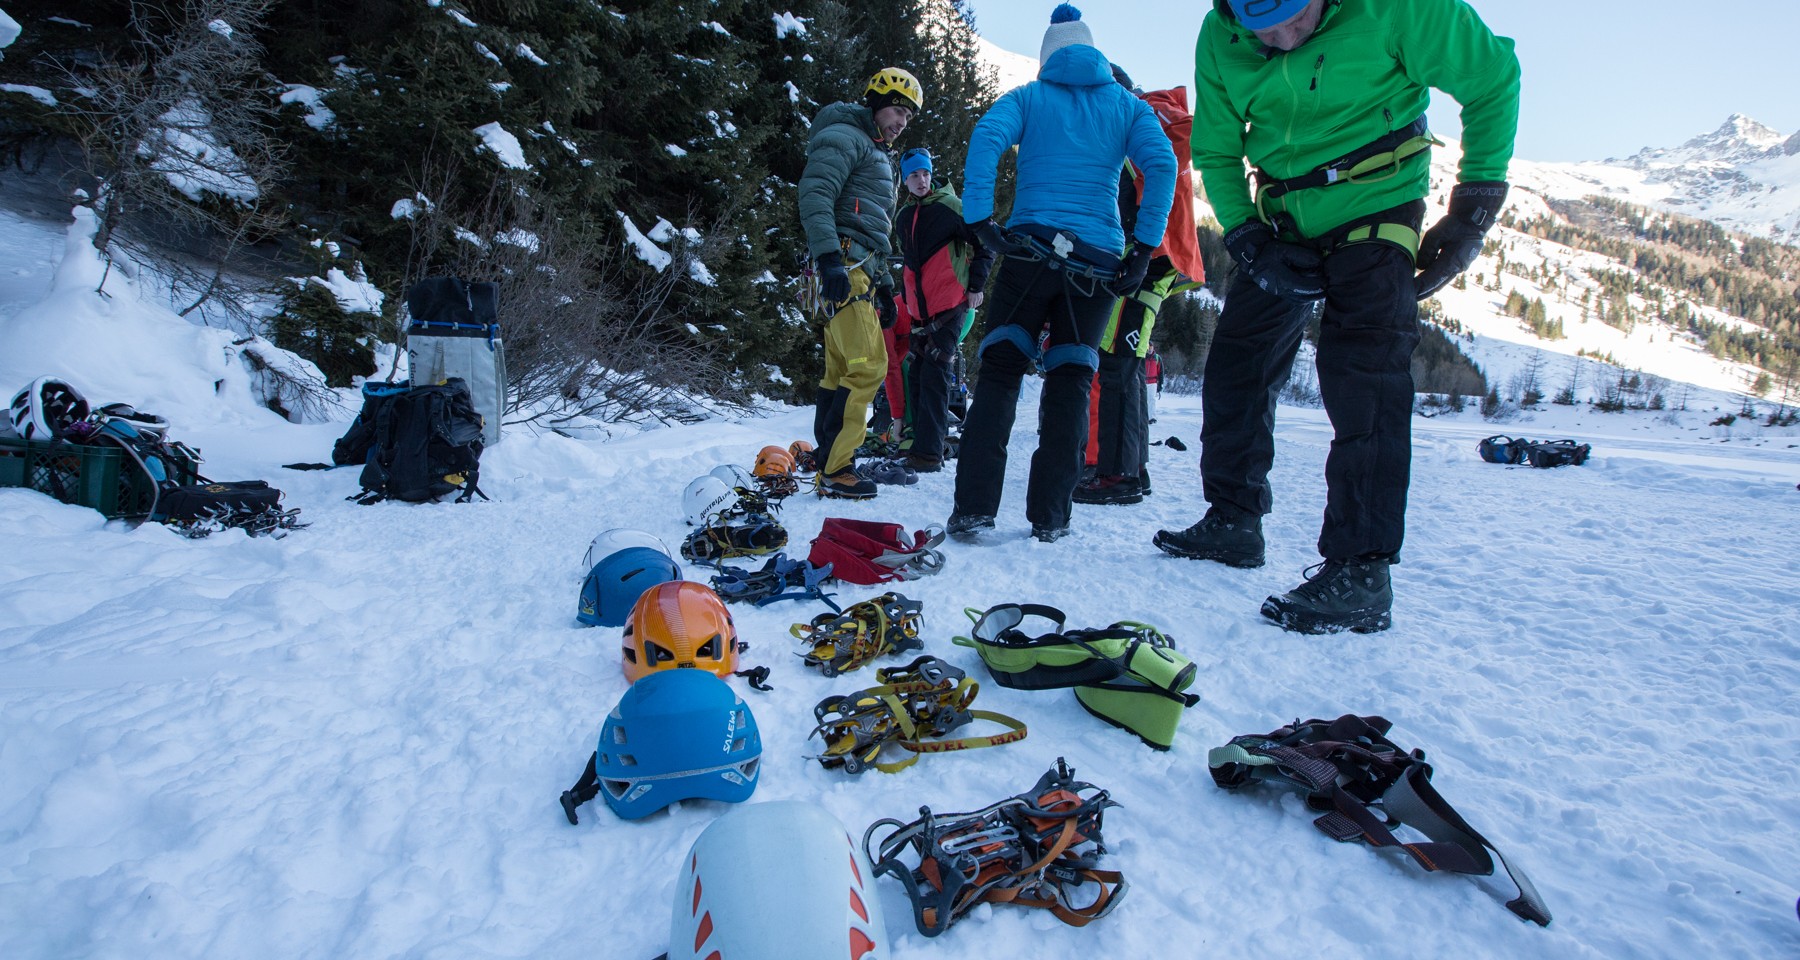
[(1302, 621), (1242, 561), (972, 533), (834, 495)]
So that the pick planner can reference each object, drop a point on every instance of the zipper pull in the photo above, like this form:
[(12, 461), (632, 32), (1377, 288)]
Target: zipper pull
[(1317, 66)]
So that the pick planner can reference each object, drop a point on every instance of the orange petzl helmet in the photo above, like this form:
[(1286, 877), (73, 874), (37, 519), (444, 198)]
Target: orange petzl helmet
[(773, 461), (680, 625), (802, 452)]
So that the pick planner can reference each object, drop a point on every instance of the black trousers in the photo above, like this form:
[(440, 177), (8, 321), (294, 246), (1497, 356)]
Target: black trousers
[(1124, 413), (1031, 297), (928, 380), (1369, 329)]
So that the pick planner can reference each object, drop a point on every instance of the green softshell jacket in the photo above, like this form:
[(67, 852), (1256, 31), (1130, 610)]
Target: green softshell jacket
[(1366, 71), (848, 187)]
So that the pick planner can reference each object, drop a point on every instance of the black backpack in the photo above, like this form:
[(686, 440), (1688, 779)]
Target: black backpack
[(415, 443)]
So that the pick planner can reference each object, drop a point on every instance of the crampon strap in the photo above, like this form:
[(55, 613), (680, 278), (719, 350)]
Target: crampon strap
[(778, 486), (723, 537), (865, 552), (1032, 850), (782, 578), (1364, 785), (924, 699), (842, 642)]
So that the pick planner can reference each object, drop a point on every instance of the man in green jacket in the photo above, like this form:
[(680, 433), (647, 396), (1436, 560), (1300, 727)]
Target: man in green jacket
[(847, 209), (1326, 100)]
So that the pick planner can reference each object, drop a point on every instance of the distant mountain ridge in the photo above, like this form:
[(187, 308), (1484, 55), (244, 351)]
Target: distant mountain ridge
[(1744, 176)]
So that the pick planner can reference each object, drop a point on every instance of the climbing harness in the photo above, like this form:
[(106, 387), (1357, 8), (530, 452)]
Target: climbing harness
[(776, 581), (842, 642), (1128, 674), (867, 552), (1032, 850), (924, 699), (1365, 785)]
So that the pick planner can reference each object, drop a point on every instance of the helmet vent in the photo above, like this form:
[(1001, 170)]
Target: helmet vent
[(627, 760), (737, 746), (748, 768), (743, 720), (616, 788), (618, 734)]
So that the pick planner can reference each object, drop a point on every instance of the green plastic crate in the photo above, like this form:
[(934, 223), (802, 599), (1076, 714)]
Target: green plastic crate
[(97, 476)]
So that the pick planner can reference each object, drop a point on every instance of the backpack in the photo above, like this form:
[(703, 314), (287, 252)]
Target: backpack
[(1507, 450), (419, 443), (455, 332), (1556, 453)]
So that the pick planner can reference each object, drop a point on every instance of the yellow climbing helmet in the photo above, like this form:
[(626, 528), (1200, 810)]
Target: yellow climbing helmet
[(891, 82)]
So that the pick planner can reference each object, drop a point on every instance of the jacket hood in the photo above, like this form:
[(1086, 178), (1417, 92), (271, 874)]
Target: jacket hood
[(1077, 66), (854, 114), (936, 195)]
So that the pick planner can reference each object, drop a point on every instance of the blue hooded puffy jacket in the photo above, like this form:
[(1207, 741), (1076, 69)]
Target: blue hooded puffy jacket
[(1074, 127)]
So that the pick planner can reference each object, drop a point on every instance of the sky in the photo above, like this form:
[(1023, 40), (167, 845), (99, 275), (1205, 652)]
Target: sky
[(1601, 79)]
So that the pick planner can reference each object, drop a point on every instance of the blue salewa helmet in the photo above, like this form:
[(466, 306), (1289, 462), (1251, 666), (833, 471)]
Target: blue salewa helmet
[(614, 584), (677, 735), (1263, 14)]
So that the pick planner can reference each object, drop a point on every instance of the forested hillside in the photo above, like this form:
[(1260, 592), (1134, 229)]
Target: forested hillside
[(625, 170)]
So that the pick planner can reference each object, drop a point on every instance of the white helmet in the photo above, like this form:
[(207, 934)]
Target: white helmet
[(773, 881), (704, 497), (43, 410), (734, 476), (612, 541)]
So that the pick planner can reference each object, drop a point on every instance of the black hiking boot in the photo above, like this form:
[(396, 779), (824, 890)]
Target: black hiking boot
[(846, 485), (966, 526), (1048, 534), (1234, 539), (1338, 595), (1144, 481), (1115, 490)]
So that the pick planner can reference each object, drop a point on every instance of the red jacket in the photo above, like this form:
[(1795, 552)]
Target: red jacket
[(927, 227), (1180, 243)]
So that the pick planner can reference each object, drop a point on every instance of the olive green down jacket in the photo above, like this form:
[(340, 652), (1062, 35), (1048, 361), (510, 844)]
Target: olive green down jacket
[(848, 187), (1367, 70)]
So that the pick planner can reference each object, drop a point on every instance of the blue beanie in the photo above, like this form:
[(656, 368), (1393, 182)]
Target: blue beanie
[(916, 159), (1263, 14), (1066, 30)]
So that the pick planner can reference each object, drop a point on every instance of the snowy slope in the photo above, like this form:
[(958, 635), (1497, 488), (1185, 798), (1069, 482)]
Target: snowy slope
[(1503, 346), (1013, 69), (349, 743), (1744, 175)]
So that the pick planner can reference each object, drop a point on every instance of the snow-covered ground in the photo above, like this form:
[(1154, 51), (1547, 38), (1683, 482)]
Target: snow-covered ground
[(349, 742)]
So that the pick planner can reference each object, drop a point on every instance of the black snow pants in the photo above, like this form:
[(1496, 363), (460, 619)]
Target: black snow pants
[(1368, 331), (1032, 296)]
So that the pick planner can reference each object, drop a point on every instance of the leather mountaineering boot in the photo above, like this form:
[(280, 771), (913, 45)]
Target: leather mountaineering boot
[(1338, 595), (846, 485), (1048, 534), (964, 526), (920, 463), (1110, 490), (1231, 538)]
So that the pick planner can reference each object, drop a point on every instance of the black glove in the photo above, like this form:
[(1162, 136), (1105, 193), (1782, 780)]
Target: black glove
[(993, 237), (1454, 242), (1132, 267), (1285, 270), (834, 280), (884, 306)]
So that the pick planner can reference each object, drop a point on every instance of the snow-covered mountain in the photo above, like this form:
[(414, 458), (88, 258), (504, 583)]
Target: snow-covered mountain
[(1744, 176), (1014, 69), (1566, 280)]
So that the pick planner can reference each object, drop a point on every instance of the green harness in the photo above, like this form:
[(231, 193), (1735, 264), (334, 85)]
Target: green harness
[(1128, 674)]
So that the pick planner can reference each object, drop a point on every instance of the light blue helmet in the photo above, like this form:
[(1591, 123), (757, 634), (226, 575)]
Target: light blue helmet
[(615, 583), (1263, 14), (677, 735)]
